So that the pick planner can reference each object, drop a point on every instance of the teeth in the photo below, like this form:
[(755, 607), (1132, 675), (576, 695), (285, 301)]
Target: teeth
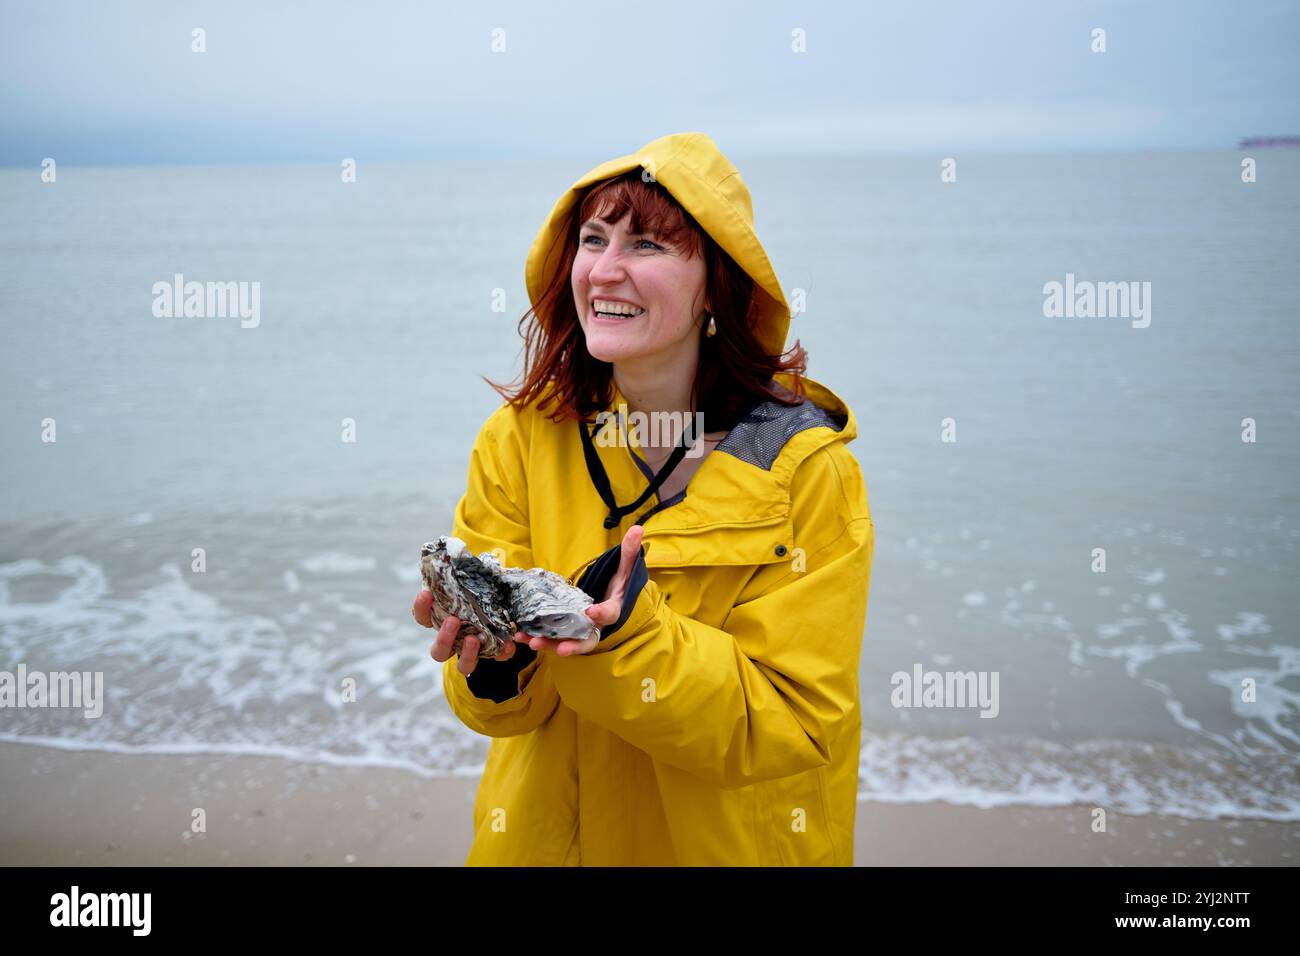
[(615, 308)]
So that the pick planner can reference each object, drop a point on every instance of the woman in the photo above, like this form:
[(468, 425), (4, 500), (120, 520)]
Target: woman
[(714, 719)]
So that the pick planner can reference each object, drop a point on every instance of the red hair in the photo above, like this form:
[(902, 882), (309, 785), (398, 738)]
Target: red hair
[(734, 371)]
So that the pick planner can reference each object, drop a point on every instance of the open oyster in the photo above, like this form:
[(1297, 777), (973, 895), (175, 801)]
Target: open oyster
[(494, 602)]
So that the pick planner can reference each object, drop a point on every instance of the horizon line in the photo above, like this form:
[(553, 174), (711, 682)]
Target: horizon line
[(505, 158)]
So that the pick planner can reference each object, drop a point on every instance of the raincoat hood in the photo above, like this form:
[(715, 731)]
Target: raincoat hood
[(693, 170)]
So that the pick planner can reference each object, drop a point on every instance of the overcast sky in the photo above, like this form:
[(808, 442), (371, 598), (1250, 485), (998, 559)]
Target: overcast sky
[(117, 82)]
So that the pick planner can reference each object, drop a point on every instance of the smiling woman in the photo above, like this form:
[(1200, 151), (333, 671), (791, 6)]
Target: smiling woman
[(714, 720)]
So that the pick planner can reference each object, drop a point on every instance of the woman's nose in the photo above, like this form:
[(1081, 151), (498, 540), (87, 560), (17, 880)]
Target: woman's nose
[(607, 268)]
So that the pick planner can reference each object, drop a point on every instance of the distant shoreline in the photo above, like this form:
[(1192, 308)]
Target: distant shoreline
[(1252, 142)]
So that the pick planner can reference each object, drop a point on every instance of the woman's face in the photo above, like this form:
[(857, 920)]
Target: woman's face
[(612, 266)]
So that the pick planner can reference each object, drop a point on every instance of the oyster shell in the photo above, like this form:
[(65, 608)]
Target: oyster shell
[(495, 602)]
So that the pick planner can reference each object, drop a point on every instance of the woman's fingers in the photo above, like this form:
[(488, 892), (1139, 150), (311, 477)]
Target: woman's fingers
[(468, 655), (564, 647), (604, 613), (422, 609), (445, 642), (628, 554), (446, 638), (631, 546)]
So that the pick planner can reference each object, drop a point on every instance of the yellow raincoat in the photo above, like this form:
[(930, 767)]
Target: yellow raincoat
[(717, 723)]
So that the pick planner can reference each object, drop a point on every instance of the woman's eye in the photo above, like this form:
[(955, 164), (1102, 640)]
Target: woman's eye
[(588, 239)]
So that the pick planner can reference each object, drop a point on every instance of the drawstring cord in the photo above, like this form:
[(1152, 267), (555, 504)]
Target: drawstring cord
[(601, 480)]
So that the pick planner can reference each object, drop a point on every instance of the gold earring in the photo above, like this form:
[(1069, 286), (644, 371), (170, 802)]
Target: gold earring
[(713, 329)]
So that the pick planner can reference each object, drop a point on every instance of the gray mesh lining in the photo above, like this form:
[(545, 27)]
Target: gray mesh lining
[(759, 437)]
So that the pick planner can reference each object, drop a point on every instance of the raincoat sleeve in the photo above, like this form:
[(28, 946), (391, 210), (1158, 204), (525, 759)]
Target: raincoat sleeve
[(515, 696), (762, 696)]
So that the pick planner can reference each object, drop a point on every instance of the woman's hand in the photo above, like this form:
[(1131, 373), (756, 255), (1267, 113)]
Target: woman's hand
[(422, 611), (602, 614)]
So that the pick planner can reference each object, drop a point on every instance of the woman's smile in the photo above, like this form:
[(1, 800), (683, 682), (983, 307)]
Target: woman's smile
[(606, 318)]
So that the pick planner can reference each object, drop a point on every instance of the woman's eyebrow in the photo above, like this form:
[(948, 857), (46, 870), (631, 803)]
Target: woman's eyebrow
[(599, 226)]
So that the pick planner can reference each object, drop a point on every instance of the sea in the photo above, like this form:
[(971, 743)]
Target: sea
[(225, 516)]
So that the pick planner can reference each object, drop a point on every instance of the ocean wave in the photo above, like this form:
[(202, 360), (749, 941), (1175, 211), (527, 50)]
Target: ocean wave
[(1128, 777)]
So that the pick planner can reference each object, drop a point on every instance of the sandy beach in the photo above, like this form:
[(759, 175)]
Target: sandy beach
[(89, 808)]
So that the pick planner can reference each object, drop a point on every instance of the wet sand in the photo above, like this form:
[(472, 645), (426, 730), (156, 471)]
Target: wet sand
[(90, 808)]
